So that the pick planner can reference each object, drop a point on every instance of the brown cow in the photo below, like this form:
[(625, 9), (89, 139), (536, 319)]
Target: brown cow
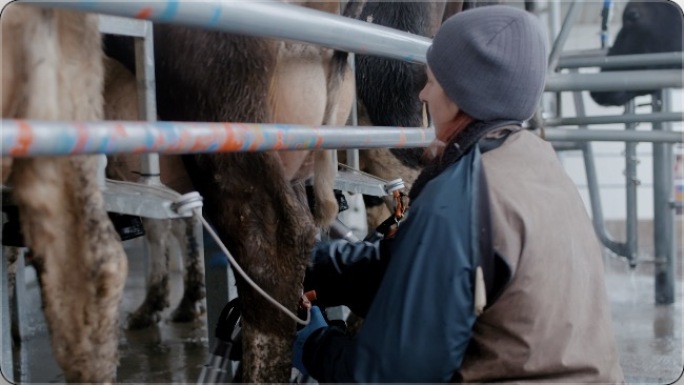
[(256, 201), (52, 70)]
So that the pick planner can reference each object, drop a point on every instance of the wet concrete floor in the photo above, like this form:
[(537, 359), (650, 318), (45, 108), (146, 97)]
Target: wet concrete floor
[(649, 337), (167, 353)]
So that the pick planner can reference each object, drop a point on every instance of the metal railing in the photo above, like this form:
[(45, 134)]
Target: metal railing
[(277, 20), (21, 138), (266, 19), (662, 152), (286, 21)]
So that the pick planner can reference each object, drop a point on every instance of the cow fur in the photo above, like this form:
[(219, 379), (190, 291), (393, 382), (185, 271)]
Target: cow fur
[(121, 103), (388, 94), (52, 70), (257, 211), (256, 200)]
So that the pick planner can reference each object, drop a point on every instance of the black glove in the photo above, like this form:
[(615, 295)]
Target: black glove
[(345, 273)]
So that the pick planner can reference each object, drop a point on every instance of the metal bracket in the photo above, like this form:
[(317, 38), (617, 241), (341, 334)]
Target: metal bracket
[(117, 25), (357, 183), (148, 201)]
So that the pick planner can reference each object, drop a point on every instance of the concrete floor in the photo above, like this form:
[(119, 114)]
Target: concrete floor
[(649, 337), (168, 353)]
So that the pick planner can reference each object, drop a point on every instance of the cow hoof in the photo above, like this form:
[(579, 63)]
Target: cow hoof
[(188, 311), (142, 320)]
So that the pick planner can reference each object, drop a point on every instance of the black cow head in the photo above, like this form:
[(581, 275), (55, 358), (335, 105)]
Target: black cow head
[(653, 26)]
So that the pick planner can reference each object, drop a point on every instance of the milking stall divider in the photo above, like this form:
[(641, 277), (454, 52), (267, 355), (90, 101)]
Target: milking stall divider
[(285, 21)]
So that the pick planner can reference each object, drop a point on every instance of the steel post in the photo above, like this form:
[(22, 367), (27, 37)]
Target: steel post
[(631, 185), (593, 186), (663, 213), (147, 97), (568, 23)]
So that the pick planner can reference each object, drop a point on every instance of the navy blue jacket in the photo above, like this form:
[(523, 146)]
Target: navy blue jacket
[(415, 290)]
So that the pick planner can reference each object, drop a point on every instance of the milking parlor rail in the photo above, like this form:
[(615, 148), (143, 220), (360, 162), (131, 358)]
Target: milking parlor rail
[(663, 176), (277, 20)]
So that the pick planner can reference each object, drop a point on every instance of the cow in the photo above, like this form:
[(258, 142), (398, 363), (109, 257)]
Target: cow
[(256, 201), (647, 27), (52, 70)]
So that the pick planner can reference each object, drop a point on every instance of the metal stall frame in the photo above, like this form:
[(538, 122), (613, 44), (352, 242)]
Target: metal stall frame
[(661, 116), (149, 196)]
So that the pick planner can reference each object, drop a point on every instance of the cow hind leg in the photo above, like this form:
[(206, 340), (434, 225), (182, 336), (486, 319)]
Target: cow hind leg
[(157, 297), (12, 254), (268, 332), (82, 278), (81, 262), (285, 258), (270, 230), (191, 306)]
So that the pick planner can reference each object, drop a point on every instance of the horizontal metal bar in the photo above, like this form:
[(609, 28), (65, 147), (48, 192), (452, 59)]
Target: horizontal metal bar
[(622, 61), (123, 26), (40, 138), (615, 81), (287, 21), (567, 146), (576, 135), (265, 19), (610, 119), (37, 138), (584, 53)]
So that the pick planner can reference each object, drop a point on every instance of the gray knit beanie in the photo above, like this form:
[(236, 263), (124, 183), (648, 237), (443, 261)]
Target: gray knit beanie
[(491, 61)]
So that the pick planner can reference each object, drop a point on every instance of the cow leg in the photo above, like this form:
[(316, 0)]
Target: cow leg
[(82, 277), (16, 290), (276, 256), (13, 254), (270, 232), (191, 306), (157, 298), (57, 74)]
